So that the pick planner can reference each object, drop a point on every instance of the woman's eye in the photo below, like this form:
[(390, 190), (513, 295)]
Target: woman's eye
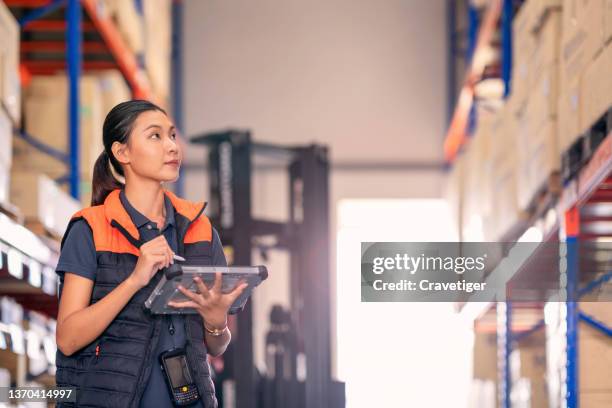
[(155, 135), (173, 136)]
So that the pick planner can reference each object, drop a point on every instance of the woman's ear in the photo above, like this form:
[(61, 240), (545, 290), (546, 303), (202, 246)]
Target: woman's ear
[(121, 152)]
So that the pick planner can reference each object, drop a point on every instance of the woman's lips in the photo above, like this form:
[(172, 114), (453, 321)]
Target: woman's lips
[(174, 163)]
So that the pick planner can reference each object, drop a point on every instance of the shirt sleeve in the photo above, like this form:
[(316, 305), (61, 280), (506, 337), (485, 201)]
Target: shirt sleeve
[(218, 256), (78, 254)]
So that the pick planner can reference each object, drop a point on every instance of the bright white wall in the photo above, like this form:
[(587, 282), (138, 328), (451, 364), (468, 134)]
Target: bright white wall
[(365, 77)]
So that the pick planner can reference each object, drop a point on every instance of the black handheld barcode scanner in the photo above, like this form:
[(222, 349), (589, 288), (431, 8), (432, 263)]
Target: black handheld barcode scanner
[(178, 377)]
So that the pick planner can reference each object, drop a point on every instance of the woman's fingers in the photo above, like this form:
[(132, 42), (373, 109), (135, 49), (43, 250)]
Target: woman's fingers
[(203, 288), (191, 295), (237, 291), (183, 304), (218, 281)]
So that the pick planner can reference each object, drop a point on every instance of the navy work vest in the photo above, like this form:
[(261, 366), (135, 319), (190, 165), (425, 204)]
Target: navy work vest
[(112, 371)]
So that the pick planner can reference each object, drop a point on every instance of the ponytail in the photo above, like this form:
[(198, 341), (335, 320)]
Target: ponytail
[(103, 179), (117, 127)]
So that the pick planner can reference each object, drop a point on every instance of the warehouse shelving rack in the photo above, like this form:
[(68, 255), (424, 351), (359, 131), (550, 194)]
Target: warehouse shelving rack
[(582, 222), (584, 205), (92, 42), (72, 36)]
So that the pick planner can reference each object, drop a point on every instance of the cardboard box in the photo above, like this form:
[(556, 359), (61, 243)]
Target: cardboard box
[(477, 199), (10, 85), (544, 98), (569, 118), (113, 90), (46, 105), (504, 171), (539, 10), (129, 20), (523, 49), (595, 359), (547, 44), (485, 356), (5, 183), (596, 92), (158, 45), (529, 357), (539, 157), (6, 138), (454, 190), (607, 15), (40, 199), (595, 399), (582, 37)]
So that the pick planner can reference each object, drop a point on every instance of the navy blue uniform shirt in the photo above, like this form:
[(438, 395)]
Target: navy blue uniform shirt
[(78, 256)]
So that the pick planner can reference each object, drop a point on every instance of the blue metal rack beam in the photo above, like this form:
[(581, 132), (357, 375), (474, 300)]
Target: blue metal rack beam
[(57, 154), (74, 57), (74, 43), (538, 326), (177, 79), (41, 12), (572, 273), (507, 351), (596, 324), (595, 284), (506, 28)]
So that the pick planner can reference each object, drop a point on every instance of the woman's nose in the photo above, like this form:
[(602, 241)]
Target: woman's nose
[(172, 145)]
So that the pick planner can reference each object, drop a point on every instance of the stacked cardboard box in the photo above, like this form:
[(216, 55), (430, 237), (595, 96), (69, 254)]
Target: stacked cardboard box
[(485, 364), (582, 39), (113, 88), (528, 371), (10, 91), (522, 54), (504, 171), (6, 153), (157, 50), (477, 205), (46, 119), (536, 109), (454, 190), (595, 357), (594, 354), (128, 17), (46, 114), (146, 27), (597, 88), (42, 201)]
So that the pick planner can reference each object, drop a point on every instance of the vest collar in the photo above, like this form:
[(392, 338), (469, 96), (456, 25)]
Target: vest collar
[(114, 210)]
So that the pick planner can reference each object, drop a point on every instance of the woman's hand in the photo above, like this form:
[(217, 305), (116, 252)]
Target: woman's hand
[(211, 304), (155, 254)]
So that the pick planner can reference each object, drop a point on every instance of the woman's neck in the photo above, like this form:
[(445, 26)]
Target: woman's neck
[(148, 199)]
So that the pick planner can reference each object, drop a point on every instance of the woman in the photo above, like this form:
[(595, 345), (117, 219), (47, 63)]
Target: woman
[(108, 344)]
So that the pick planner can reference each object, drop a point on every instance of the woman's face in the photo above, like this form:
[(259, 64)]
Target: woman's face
[(153, 150)]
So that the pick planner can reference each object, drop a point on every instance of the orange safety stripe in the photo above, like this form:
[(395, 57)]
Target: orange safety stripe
[(108, 238), (200, 230)]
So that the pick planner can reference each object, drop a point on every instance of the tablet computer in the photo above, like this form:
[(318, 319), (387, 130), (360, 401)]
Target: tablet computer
[(167, 288)]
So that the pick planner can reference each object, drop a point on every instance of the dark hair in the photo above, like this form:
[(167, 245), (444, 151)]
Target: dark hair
[(117, 127)]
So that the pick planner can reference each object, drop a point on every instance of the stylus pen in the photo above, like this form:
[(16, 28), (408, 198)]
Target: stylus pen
[(178, 258)]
